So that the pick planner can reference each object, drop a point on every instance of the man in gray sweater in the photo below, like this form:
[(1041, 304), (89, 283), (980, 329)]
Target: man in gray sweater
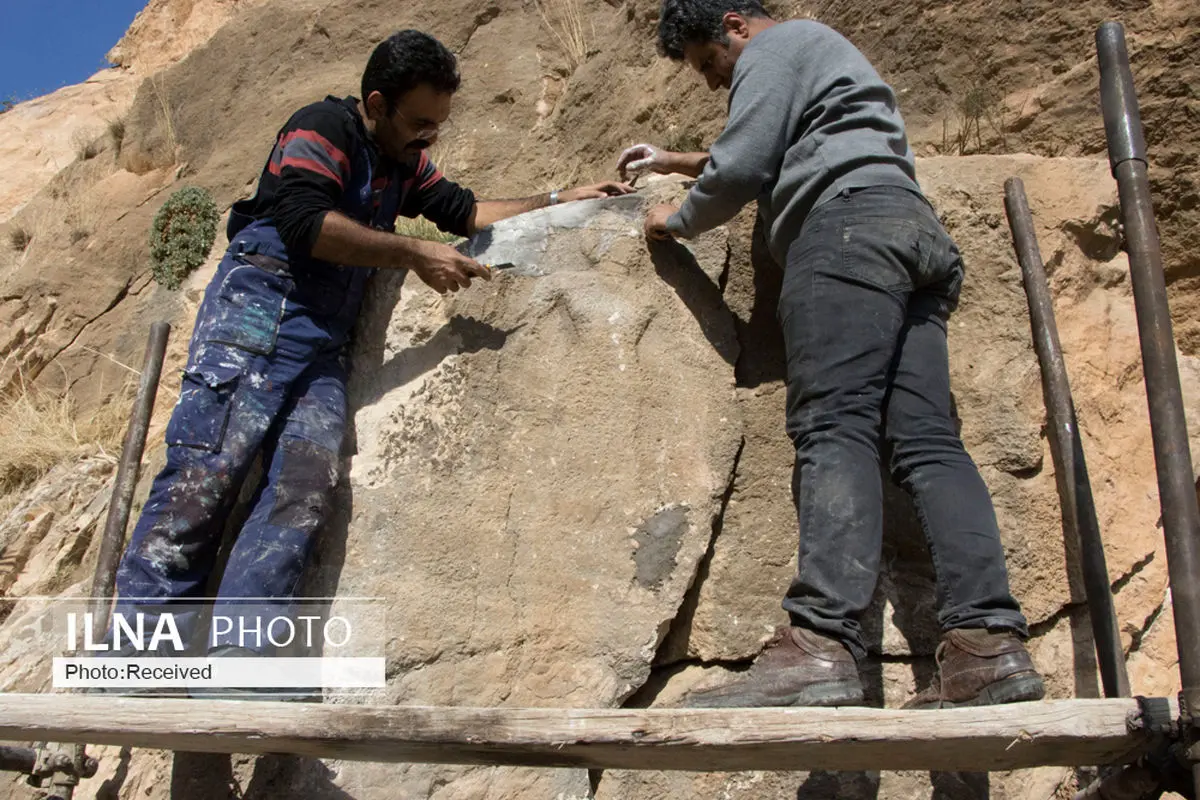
[(870, 278)]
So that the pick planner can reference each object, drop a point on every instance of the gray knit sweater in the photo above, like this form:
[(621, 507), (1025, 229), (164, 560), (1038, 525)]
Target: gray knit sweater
[(808, 117)]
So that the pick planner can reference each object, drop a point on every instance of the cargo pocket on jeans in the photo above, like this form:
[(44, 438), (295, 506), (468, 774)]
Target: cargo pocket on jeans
[(246, 311), (202, 415)]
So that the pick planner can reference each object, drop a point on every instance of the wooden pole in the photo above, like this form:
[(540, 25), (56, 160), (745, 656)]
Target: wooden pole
[(1058, 733)]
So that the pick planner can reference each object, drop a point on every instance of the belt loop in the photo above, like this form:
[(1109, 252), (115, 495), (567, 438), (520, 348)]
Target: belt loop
[(845, 193)]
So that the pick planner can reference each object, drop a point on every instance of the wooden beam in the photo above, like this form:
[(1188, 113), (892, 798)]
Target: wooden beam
[(1058, 733)]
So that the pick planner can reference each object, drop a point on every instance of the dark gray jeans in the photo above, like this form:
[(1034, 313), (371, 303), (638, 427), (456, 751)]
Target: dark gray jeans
[(869, 284)]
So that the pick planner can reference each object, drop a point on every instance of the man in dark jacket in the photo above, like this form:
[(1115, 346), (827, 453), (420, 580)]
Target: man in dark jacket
[(266, 371), (870, 278)]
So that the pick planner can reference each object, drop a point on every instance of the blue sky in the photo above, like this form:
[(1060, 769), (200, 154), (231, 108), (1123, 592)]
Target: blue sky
[(48, 44)]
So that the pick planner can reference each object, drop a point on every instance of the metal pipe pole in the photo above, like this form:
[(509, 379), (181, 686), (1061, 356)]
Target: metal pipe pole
[(1066, 446), (17, 759), (1168, 425)]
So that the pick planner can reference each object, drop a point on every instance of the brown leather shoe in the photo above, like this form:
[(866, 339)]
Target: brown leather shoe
[(796, 668), (978, 667)]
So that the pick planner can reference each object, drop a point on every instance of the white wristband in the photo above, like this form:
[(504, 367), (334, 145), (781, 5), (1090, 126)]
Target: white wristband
[(554, 197)]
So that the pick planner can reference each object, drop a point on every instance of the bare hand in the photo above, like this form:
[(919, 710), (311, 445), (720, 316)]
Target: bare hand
[(656, 222), (595, 190), (644, 158), (444, 269)]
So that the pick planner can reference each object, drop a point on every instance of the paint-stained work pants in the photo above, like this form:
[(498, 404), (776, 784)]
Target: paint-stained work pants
[(266, 373)]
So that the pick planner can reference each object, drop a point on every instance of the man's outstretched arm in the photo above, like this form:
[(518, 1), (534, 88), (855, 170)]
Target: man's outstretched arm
[(647, 157), (490, 211), (744, 158)]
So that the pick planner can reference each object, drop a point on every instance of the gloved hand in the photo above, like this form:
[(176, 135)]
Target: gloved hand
[(640, 158)]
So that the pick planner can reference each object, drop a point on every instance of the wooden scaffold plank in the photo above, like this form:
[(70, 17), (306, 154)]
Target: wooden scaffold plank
[(1056, 733)]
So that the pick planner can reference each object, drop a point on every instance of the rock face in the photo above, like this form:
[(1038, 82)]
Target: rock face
[(166, 31), (41, 137)]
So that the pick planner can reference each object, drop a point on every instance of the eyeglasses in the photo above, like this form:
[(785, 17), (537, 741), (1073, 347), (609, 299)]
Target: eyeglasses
[(424, 133)]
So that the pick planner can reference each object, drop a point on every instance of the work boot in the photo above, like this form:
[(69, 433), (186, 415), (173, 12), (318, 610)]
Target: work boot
[(796, 668), (129, 651), (978, 667), (265, 693)]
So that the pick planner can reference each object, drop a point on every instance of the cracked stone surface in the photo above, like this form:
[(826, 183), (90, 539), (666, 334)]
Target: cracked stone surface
[(539, 465)]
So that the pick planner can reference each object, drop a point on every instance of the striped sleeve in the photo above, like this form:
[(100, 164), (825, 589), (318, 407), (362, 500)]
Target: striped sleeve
[(428, 173), (441, 201), (311, 160), (310, 151)]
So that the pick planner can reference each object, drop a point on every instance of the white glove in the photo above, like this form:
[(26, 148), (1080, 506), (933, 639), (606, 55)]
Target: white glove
[(639, 158)]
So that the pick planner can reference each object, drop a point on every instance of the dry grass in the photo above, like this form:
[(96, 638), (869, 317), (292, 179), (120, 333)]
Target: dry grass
[(27, 229), (565, 19), (684, 142), (563, 174), (7, 503), (158, 85), (981, 105), (32, 226), (41, 430), (421, 228), (87, 144), (82, 217), (19, 238), (447, 153), (116, 133)]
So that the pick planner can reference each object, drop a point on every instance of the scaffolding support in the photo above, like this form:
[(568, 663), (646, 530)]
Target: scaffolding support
[(1168, 425), (1066, 445), (989, 738)]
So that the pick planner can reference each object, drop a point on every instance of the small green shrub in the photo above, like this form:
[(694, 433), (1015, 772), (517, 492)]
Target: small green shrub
[(181, 235)]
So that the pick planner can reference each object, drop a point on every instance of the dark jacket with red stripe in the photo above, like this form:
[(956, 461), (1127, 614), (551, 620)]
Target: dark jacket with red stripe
[(324, 160)]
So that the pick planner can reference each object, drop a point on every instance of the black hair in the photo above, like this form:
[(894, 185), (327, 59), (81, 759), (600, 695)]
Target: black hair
[(404, 61), (683, 22)]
